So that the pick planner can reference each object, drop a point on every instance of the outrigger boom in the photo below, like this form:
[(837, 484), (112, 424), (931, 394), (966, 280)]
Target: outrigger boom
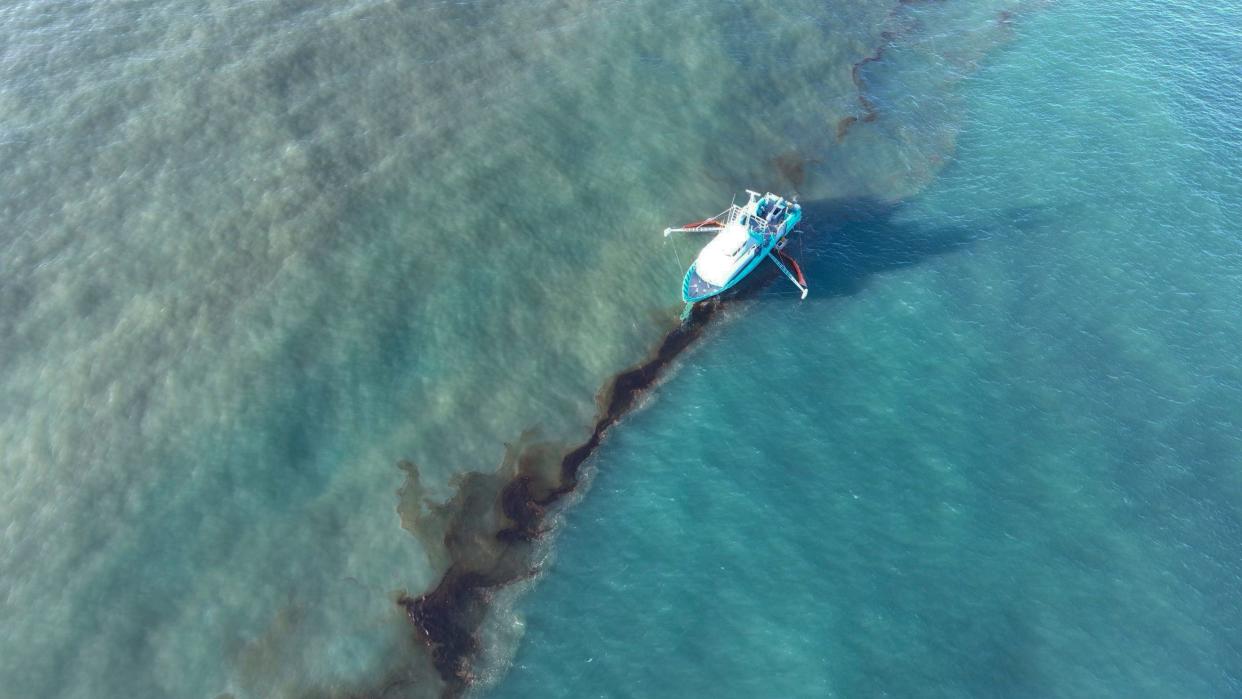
[(789, 275), (744, 236), (707, 224)]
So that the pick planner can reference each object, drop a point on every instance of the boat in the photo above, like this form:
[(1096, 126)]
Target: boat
[(745, 236)]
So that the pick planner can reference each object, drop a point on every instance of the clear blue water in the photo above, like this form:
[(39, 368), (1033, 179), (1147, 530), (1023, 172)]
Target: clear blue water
[(996, 453)]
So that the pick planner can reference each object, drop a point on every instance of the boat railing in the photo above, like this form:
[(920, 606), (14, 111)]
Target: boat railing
[(733, 215), (738, 214)]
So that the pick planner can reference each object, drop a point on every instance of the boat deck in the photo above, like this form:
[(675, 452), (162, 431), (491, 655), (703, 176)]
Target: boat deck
[(698, 288)]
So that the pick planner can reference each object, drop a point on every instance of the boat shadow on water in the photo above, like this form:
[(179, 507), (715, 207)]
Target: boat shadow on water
[(843, 243), (491, 527)]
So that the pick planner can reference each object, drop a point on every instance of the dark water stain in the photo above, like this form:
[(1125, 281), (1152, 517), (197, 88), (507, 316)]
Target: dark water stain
[(448, 617), (869, 111), (491, 526), (843, 126), (792, 166), (489, 529)]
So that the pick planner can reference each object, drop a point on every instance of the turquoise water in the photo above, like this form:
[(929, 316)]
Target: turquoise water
[(995, 453), (258, 258)]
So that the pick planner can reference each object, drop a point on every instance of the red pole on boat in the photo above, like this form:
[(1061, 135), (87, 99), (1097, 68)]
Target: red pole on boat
[(705, 223)]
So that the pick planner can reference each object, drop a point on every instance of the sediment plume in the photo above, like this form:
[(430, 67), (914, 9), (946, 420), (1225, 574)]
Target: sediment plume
[(485, 536)]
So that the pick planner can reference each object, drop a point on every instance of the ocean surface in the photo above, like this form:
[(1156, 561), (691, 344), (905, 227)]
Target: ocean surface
[(274, 276), (997, 451)]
